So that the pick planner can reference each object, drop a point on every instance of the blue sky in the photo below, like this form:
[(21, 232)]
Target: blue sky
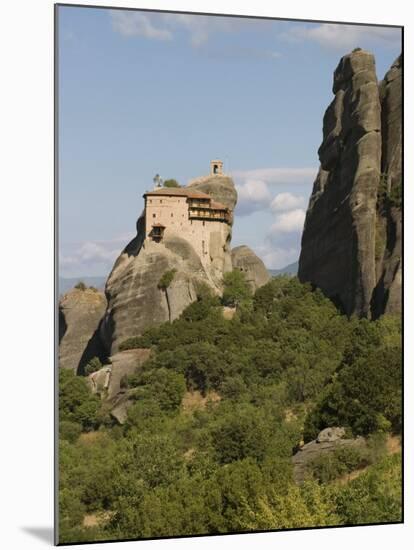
[(143, 93)]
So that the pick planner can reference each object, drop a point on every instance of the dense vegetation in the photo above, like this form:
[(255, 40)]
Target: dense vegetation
[(219, 409)]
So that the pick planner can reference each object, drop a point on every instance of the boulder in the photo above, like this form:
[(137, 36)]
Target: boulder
[(125, 363), (244, 259), (330, 434), (80, 312), (328, 441)]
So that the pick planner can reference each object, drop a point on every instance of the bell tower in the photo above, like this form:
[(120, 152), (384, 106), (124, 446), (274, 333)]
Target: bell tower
[(216, 167)]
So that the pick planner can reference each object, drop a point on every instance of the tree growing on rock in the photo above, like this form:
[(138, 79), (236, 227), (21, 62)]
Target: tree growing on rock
[(236, 289)]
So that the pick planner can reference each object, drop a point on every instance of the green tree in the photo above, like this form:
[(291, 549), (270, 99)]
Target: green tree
[(80, 286), (236, 289), (171, 183), (166, 279), (93, 365)]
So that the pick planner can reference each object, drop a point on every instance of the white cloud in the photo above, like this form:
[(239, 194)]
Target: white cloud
[(90, 257), (339, 36), (130, 23), (252, 195), (289, 222), (198, 27), (161, 26), (281, 245), (286, 201), (276, 257), (254, 188)]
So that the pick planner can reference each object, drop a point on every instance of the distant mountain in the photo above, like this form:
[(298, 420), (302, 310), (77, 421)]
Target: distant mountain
[(291, 269), (66, 283)]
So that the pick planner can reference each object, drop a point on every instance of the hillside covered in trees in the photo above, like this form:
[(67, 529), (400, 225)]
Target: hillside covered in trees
[(219, 409)]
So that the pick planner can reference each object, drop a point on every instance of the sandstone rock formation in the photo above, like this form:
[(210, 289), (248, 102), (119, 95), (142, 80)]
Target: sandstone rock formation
[(327, 442), (135, 301), (387, 294), (220, 187), (80, 312), (123, 364), (244, 259), (108, 381), (351, 239)]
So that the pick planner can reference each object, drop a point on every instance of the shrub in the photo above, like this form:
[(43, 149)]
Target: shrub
[(70, 431), (236, 289), (80, 286), (76, 403), (365, 395), (343, 460), (171, 183), (93, 366)]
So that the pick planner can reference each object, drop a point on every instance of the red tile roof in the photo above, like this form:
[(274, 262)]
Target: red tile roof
[(178, 192), (217, 206)]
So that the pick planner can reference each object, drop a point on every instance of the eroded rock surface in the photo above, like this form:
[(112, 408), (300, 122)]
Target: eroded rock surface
[(80, 312), (244, 259), (387, 295), (123, 364), (351, 244), (328, 441), (108, 382)]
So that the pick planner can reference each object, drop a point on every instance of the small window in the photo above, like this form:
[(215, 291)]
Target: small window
[(172, 215), (150, 201), (154, 215), (204, 223), (160, 201)]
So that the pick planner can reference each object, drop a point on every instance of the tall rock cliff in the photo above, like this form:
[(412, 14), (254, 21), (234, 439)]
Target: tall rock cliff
[(387, 294), (135, 299), (351, 240)]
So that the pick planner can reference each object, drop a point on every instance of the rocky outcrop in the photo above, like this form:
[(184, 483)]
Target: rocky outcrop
[(80, 312), (328, 441), (124, 364), (342, 251), (135, 299), (244, 259), (387, 295), (220, 187)]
